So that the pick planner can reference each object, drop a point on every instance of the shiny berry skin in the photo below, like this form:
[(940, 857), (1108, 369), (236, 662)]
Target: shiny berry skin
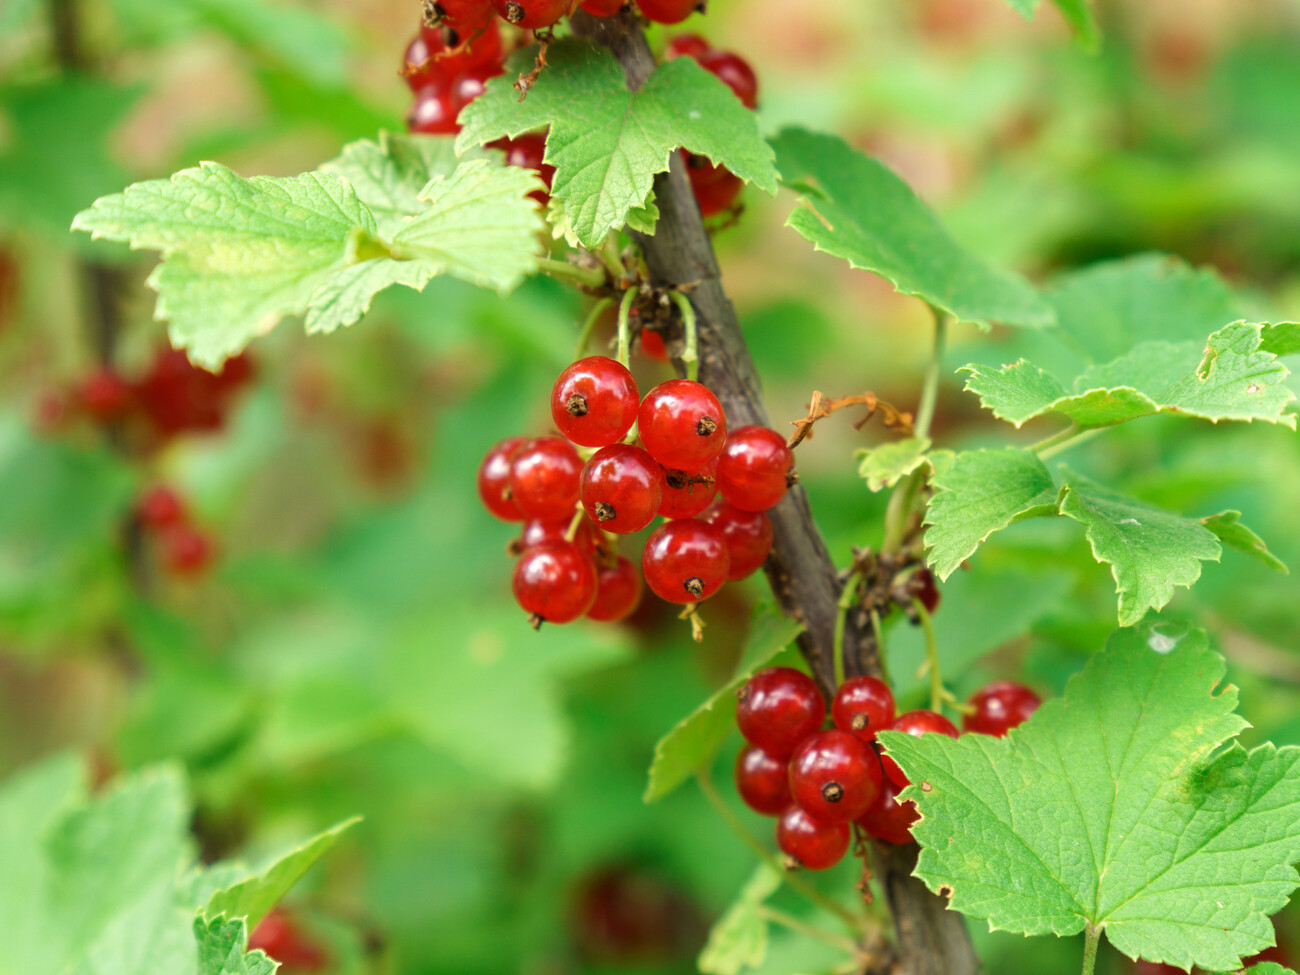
[(812, 844), (494, 480), (733, 71), (748, 534), (433, 112), (682, 425), (537, 532), (621, 488), (687, 494), (285, 942), (602, 8), (555, 582), (915, 723), (104, 395), (888, 819), (618, 592), (687, 46), (652, 345), (429, 59), (464, 16), (834, 776), (472, 84), (544, 478), (778, 708), (999, 707), (186, 551), (762, 781), (160, 507), (527, 152), (668, 11), (863, 706), (754, 468), (685, 561), (716, 188), (594, 401), (927, 590), (531, 14)]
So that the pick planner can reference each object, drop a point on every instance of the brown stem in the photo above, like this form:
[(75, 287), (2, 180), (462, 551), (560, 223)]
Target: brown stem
[(931, 939)]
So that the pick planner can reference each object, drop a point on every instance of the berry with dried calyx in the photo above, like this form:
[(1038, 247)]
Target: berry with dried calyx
[(685, 561), (778, 708), (494, 480), (595, 401), (555, 582), (834, 776), (686, 494), (621, 488), (863, 706), (682, 424)]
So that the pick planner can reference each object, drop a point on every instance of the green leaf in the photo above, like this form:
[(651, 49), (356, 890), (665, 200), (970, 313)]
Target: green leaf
[(855, 208), (886, 465), (978, 493), (1230, 378), (739, 938), (1117, 806), (1281, 339), (254, 897), (222, 946), (1231, 532), (389, 175), (607, 143), (694, 741)]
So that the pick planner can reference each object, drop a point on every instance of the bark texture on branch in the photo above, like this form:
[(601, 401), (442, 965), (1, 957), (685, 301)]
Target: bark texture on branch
[(931, 939)]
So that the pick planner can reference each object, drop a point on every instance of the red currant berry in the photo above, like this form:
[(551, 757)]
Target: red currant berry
[(687, 46), (762, 781), (687, 494), (621, 488), (915, 723), (494, 480), (716, 188), (748, 534), (652, 345), (735, 72), (285, 942), (434, 111), (927, 591), (472, 84), (527, 152), (754, 468), (602, 8), (888, 819), (537, 532), (834, 776), (531, 14), (778, 708), (863, 706), (668, 11), (555, 582), (812, 844), (682, 424), (105, 395), (437, 55), (999, 707), (544, 478), (618, 592), (160, 507), (187, 552), (465, 16), (595, 401), (685, 561)]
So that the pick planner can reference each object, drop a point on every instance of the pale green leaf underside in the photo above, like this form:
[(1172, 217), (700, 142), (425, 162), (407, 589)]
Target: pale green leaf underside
[(607, 143), (855, 208), (739, 938), (885, 465), (1116, 806)]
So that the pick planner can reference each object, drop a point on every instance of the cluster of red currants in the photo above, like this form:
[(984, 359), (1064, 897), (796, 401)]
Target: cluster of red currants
[(567, 564), (184, 549), (820, 781)]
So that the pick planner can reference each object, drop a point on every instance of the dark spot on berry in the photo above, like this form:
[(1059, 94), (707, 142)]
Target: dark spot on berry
[(677, 480), (832, 792), (859, 722), (706, 426), (514, 11), (576, 405), (605, 511), (695, 586)]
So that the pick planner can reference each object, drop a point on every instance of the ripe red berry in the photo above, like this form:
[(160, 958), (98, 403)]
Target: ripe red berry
[(812, 844), (716, 188), (652, 345), (555, 582), (160, 507), (927, 590), (888, 819), (434, 111), (544, 478), (685, 561), (105, 395), (915, 723), (687, 494), (754, 468), (285, 942), (439, 55), (494, 480), (863, 706), (733, 71), (531, 14), (465, 16), (527, 152), (748, 534), (682, 424), (602, 8), (834, 776), (762, 781), (778, 708), (176, 397), (668, 11), (621, 488), (618, 592), (537, 532), (186, 551), (999, 707), (594, 401), (471, 84), (687, 46)]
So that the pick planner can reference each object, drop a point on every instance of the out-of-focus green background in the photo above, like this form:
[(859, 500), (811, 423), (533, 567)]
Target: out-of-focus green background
[(355, 649)]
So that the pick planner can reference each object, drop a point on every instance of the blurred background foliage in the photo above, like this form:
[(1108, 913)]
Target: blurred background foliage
[(355, 650)]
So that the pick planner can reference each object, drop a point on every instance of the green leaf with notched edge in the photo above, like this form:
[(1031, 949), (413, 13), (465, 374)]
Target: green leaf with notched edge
[(694, 741), (977, 493), (223, 949), (739, 938), (885, 465), (1281, 339), (389, 175), (1120, 806), (1231, 532), (254, 897), (607, 143), (855, 208)]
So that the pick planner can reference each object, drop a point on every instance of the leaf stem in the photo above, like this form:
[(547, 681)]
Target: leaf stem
[(930, 384), (898, 512), (624, 336), (690, 355), (1063, 440), (589, 325), (879, 632), (590, 277), (705, 780), (1091, 936), (931, 657), (608, 255), (808, 930)]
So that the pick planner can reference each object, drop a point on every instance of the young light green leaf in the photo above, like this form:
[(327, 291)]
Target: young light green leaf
[(694, 741), (223, 949), (1117, 806), (607, 143), (1231, 532), (739, 938), (254, 897), (389, 175), (855, 208), (977, 493), (885, 465)]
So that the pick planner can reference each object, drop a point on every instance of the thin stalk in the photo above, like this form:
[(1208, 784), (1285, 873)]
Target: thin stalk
[(589, 325), (575, 523), (690, 355), (624, 332), (879, 632), (1091, 936), (609, 257), (898, 512), (930, 384), (588, 277), (808, 930), (931, 657), (1059, 442), (842, 606), (705, 780)]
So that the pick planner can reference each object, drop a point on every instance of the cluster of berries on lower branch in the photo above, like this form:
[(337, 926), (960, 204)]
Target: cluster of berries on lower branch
[(712, 486), (823, 783)]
